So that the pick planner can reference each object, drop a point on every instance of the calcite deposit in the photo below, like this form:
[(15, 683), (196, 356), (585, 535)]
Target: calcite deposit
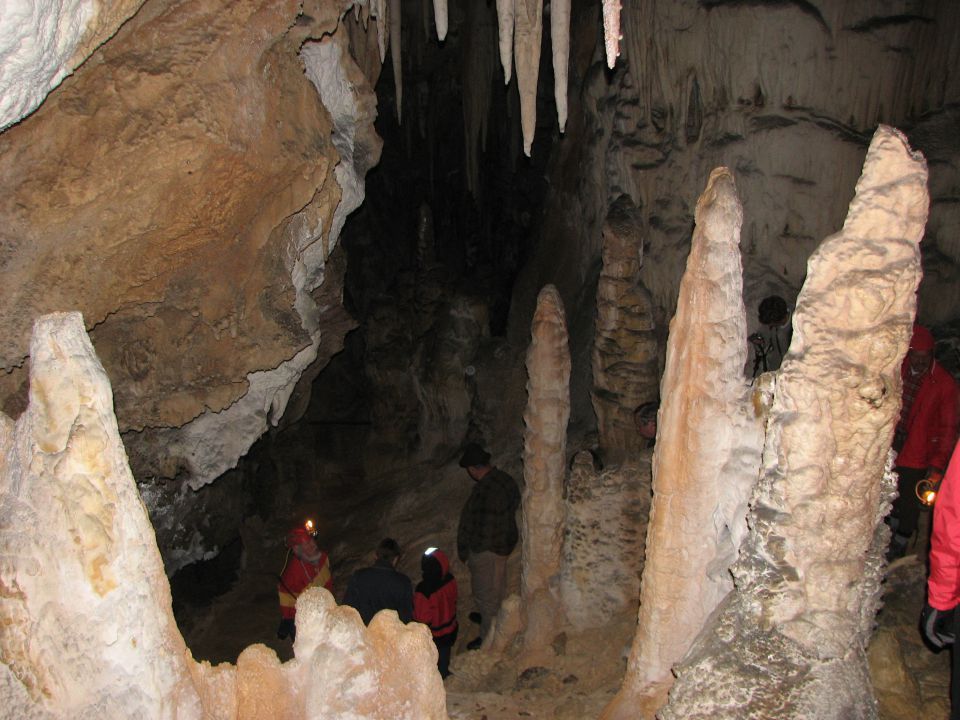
[(790, 641), (544, 468), (706, 458), (85, 605), (625, 351)]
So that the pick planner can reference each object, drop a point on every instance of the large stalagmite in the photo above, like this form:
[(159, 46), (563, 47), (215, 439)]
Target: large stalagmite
[(706, 459), (544, 467), (85, 606), (790, 642)]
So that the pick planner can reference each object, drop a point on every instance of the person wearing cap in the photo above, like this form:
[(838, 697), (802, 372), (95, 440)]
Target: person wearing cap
[(435, 604), (306, 566), (925, 433), (487, 533), (645, 419), (381, 586)]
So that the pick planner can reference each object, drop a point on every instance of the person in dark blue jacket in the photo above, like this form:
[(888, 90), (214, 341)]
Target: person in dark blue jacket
[(381, 586)]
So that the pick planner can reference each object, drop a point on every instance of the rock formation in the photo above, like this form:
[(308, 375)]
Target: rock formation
[(544, 468), (625, 366), (85, 603), (707, 455)]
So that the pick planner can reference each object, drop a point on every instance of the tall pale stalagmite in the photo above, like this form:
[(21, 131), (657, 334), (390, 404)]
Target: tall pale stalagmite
[(527, 32), (544, 467), (816, 509), (560, 42), (85, 606), (791, 641), (505, 23), (706, 459)]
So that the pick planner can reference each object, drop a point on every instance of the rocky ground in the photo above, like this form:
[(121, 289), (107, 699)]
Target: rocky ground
[(911, 681)]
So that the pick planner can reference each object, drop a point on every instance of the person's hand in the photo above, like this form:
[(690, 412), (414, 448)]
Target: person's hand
[(937, 625)]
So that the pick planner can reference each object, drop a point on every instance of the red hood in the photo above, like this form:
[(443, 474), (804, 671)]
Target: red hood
[(443, 560)]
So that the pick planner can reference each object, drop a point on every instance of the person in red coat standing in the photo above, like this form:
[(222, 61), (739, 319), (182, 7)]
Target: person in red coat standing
[(435, 604), (306, 566), (939, 618), (925, 434)]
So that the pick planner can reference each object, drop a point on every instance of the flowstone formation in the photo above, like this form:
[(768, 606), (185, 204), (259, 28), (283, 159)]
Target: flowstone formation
[(625, 367), (85, 605), (808, 579)]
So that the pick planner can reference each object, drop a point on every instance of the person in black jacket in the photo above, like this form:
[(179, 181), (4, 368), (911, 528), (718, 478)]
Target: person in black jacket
[(381, 586)]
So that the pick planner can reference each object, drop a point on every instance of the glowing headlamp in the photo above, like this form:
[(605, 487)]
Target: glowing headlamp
[(429, 551), (926, 491), (310, 527)]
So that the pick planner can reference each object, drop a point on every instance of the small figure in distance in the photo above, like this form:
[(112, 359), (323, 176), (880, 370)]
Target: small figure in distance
[(645, 418), (381, 586), (306, 566)]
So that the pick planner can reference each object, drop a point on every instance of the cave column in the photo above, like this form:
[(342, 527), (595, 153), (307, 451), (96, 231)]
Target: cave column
[(544, 468)]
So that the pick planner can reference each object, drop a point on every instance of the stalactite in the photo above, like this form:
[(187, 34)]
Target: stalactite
[(526, 52), (479, 64), (505, 21), (395, 56), (440, 16), (544, 468), (560, 42), (611, 30), (378, 11), (706, 459)]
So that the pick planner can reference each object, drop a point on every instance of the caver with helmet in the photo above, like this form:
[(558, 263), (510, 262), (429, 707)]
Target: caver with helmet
[(925, 433), (306, 566), (435, 604)]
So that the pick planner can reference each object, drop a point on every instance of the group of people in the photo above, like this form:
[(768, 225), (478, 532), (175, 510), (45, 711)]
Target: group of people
[(486, 536)]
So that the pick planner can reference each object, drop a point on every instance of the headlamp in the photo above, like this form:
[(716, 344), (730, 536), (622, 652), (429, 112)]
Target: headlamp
[(926, 491), (310, 528), (429, 551)]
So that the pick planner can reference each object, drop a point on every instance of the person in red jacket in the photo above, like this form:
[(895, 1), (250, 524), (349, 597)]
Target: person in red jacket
[(925, 433), (435, 604), (306, 566), (939, 618)]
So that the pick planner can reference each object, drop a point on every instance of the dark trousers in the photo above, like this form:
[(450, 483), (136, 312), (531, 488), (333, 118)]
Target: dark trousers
[(955, 670), (444, 646), (906, 508)]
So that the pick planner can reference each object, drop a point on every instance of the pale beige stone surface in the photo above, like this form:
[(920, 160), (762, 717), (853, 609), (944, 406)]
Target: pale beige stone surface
[(85, 604), (707, 453), (544, 469)]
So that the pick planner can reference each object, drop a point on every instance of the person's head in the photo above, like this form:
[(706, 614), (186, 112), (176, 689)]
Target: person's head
[(475, 460), (389, 551), (645, 418), (302, 544), (920, 354), (773, 310), (434, 565)]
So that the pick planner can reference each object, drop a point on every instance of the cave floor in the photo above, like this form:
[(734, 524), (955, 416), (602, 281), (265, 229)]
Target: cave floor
[(586, 670)]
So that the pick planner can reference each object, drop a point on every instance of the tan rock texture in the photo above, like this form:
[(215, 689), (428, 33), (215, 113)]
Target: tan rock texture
[(707, 454), (625, 352), (544, 469), (151, 192), (790, 641), (85, 604)]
